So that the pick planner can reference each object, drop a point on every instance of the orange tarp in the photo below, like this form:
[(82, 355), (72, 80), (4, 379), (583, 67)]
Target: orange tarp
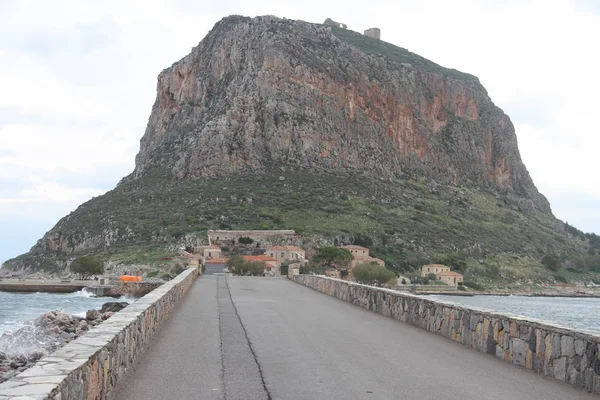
[(129, 278)]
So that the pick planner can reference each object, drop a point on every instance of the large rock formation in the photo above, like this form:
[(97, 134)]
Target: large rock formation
[(274, 123), (267, 92)]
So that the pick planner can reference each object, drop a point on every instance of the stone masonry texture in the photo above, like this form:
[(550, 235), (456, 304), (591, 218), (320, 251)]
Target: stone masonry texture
[(557, 352), (91, 366)]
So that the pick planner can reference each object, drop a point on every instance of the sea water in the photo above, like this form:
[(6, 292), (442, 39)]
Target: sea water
[(18, 310)]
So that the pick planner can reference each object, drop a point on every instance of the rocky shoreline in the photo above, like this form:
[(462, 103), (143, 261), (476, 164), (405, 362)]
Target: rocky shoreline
[(22, 348)]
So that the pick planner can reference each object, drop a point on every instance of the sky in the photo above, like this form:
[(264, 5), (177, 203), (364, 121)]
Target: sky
[(78, 80)]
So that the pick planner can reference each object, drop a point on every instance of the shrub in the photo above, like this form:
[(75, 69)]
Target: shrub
[(245, 240), (403, 281), (425, 281), (177, 269), (473, 285), (373, 274), (333, 256), (559, 278), (462, 288), (431, 277), (87, 266), (166, 277), (551, 262)]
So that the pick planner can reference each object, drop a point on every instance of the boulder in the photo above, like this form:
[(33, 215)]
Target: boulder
[(35, 356), (92, 315), (18, 362), (113, 306)]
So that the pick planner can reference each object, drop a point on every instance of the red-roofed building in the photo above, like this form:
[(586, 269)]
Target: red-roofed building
[(442, 273), (271, 264), (361, 255), (450, 278)]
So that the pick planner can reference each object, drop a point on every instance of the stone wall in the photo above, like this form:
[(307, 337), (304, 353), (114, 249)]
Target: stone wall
[(554, 351), (91, 366)]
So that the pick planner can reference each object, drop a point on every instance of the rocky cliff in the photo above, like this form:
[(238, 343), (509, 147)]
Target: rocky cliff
[(274, 123), (264, 93)]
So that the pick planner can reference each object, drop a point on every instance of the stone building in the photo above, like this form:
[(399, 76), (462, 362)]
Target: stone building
[(260, 236), (433, 269), (357, 251), (374, 33), (272, 265), (360, 255), (208, 252), (442, 273), (450, 278), (283, 253)]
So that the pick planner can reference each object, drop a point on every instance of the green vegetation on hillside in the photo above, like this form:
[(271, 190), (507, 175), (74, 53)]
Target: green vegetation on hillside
[(374, 46), (87, 266), (403, 222)]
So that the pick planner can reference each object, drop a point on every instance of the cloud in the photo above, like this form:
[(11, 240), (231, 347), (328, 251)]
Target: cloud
[(78, 82)]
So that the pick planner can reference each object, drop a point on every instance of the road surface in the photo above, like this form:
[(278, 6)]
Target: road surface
[(244, 338)]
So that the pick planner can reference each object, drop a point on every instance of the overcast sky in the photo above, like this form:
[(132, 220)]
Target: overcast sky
[(78, 80)]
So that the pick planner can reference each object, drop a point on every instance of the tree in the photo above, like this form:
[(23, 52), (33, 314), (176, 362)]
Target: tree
[(374, 274), (236, 263), (87, 266), (242, 267), (246, 240), (333, 257)]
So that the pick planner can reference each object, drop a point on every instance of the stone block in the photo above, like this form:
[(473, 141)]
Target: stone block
[(567, 346), (513, 329), (560, 368), (519, 349), (555, 345), (579, 347)]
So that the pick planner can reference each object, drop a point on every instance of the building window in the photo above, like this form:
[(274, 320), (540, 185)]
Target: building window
[(282, 254)]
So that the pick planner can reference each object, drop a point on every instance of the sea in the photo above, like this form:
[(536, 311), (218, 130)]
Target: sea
[(573, 312), (18, 310)]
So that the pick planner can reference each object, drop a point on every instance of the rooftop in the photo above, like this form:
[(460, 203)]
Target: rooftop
[(259, 258), (354, 247), (288, 248), (450, 273), (217, 261)]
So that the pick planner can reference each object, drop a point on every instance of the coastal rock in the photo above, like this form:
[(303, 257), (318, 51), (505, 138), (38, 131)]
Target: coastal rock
[(18, 362), (52, 330), (92, 315), (113, 307)]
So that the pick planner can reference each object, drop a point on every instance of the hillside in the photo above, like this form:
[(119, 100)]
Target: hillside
[(274, 123)]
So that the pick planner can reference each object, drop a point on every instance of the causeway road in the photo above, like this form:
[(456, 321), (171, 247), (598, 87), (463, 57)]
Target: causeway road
[(246, 338)]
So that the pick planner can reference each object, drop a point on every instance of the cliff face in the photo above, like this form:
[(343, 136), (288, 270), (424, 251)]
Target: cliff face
[(264, 93)]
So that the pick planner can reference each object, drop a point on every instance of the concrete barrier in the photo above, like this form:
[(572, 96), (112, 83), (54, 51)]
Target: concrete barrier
[(91, 366), (558, 352)]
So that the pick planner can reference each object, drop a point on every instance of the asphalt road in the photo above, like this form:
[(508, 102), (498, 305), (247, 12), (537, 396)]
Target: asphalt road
[(240, 338)]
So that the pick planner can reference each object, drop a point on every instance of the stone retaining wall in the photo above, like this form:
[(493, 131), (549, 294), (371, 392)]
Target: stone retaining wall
[(90, 366), (554, 351)]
